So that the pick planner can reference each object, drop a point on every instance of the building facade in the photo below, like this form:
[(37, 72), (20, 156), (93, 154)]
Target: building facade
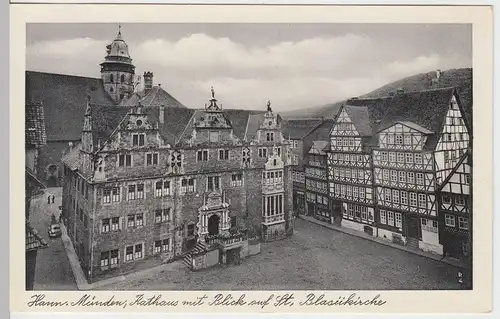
[(148, 184), (350, 172), (316, 178)]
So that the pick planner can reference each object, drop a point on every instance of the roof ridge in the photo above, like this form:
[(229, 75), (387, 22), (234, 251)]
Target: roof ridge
[(68, 75), (177, 140), (156, 93)]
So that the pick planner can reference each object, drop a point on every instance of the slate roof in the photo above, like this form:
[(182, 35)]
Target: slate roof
[(360, 117), (33, 239), (157, 96), (426, 109), (64, 100), (297, 129), (34, 129), (320, 146), (105, 119), (253, 124)]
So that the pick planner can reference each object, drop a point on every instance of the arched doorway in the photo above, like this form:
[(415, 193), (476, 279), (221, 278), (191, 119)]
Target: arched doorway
[(213, 225), (52, 181)]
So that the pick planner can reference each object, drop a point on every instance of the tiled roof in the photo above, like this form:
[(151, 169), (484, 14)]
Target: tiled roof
[(105, 119), (64, 99), (424, 108), (157, 96), (175, 121), (72, 159), (35, 124), (33, 239), (297, 129)]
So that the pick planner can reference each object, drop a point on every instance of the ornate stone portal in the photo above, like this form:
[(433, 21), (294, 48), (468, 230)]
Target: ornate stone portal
[(213, 216)]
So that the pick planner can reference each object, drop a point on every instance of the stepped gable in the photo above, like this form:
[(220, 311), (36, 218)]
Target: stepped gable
[(64, 99), (156, 96), (426, 109), (34, 130)]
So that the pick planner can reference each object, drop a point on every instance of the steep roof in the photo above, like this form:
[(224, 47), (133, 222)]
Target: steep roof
[(64, 99), (35, 134), (426, 109), (157, 96), (360, 117), (33, 239), (105, 119), (414, 126), (73, 159), (320, 146), (297, 129)]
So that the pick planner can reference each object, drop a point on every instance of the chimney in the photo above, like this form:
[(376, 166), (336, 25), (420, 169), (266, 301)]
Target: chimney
[(162, 114), (148, 81)]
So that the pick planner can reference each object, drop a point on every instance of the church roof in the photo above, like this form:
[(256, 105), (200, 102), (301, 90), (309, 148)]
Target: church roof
[(64, 99), (34, 124), (157, 96)]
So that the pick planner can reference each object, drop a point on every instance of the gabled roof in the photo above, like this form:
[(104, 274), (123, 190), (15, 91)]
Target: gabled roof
[(174, 124), (360, 117), (33, 239), (105, 119), (35, 124), (157, 96), (426, 109), (320, 146), (33, 178), (72, 159), (64, 99), (253, 124), (297, 129)]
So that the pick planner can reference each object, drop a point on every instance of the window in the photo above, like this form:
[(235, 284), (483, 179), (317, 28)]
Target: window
[(446, 158), (187, 185), (390, 218), (105, 225), (460, 200), (402, 177), (395, 196), (418, 158), (385, 175), (223, 155), (131, 192), (237, 179), (404, 198), (392, 157), (106, 195), (449, 137), (162, 215), (349, 190), (420, 178), (384, 156), (202, 156), (399, 139), (124, 160), (86, 192), (355, 191), (446, 199), (399, 220), (270, 136), (140, 191), (411, 177), (81, 215), (161, 245), (422, 200), (467, 179), (278, 151), (115, 223), (135, 220), (116, 194), (449, 220), (151, 159), (409, 158), (263, 152), (138, 139), (413, 199), (129, 253), (387, 194), (213, 183), (407, 139), (109, 259), (463, 223), (401, 158), (361, 192), (383, 219), (394, 176), (357, 210)]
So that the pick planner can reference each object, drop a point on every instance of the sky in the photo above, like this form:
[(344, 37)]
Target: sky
[(293, 65)]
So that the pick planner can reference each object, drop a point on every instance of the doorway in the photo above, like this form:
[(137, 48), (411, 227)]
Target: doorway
[(213, 225), (52, 181), (413, 227)]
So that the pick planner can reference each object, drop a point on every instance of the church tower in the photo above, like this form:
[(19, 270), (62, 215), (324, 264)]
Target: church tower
[(117, 70)]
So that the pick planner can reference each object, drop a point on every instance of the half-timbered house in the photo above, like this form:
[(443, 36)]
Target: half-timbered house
[(350, 169), (317, 196)]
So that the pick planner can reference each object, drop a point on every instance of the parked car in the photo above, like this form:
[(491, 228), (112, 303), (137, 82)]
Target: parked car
[(54, 230)]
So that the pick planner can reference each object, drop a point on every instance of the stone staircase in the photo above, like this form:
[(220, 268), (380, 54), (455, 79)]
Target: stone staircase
[(412, 242), (198, 249)]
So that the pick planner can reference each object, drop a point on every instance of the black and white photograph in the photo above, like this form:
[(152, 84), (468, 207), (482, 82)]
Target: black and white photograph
[(248, 156)]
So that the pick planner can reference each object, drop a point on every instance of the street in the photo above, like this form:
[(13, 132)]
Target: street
[(315, 258), (53, 270)]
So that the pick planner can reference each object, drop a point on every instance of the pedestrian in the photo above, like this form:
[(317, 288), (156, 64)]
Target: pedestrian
[(48, 199), (53, 198)]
